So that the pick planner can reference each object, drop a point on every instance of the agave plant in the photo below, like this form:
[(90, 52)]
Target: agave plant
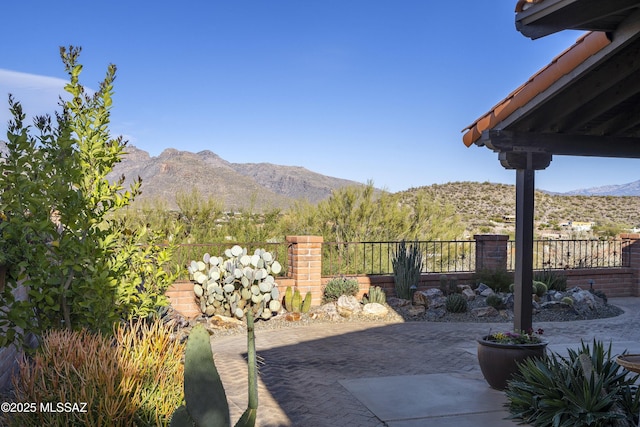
[(587, 388)]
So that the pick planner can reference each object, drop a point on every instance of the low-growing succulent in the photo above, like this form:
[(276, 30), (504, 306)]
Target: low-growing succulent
[(567, 300), (495, 301), (375, 294), (230, 286), (339, 286), (456, 303), (294, 303)]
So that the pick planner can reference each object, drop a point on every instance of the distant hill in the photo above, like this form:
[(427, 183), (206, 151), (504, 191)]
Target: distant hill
[(489, 208), (235, 185)]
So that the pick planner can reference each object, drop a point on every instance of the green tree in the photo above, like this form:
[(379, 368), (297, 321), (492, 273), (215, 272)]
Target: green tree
[(79, 265), (354, 214)]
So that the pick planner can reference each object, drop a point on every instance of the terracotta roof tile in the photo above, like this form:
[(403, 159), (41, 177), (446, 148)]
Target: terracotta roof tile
[(584, 47), (525, 4)]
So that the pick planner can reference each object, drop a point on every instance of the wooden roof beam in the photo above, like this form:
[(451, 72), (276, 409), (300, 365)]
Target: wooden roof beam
[(552, 16), (562, 144)]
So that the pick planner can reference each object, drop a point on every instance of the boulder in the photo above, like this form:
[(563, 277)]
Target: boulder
[(482, 288), (375, 309), (326, 311), (416, 310), (469, 294), (582, 299), (223, 322), (484, 312), (554, 305), (398, 302), (486, 292), (347, 306)]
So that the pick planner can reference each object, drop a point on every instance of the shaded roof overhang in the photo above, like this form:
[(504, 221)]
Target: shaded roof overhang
[(542, 18), (586, 102)]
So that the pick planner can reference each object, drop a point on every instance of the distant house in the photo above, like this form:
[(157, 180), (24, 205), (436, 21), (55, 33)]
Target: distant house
[(509, 218), (578, 225)]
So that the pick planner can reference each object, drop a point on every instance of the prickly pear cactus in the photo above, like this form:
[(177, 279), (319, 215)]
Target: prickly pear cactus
[(230, 286)]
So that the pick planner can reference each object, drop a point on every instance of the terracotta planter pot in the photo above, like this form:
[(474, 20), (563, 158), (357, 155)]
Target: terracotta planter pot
[(498, 362)]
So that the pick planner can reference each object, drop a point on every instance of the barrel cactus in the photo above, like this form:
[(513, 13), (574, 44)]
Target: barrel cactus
[(232, 285), (456, 303)]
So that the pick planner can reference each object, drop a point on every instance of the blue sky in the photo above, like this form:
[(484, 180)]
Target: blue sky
[(364, 90)]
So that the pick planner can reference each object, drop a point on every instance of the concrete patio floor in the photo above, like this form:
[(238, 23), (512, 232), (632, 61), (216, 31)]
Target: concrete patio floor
[(396, 375)]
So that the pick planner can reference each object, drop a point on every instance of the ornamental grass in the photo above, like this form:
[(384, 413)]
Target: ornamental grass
[(134, 378)]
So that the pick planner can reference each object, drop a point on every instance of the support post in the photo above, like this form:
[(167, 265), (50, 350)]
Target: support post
[(525, 194)]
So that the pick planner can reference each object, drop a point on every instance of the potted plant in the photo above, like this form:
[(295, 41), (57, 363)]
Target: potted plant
[(499, 354)]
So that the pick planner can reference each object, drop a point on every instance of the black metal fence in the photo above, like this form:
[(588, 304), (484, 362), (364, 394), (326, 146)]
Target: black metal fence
[(351, 258), (376, 258), (566, 254)]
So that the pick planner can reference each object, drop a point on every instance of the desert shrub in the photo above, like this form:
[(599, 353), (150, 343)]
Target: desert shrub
[(448, 285), (495, 301), (587, 388), (135, 378), (554, 280), (456, 303), (498, 280), (339, 286), (82, 269)]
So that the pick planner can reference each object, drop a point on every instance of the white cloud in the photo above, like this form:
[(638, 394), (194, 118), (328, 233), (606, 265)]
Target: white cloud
[(38, 94)]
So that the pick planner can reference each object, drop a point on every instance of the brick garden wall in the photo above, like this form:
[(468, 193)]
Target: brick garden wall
[(305, 266)]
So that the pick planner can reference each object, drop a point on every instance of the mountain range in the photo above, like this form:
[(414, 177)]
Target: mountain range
[(234, 185), (630, 189), (250, 185)]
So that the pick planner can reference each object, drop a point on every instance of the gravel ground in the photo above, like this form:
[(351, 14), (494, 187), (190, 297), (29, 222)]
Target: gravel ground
[(401, 314)]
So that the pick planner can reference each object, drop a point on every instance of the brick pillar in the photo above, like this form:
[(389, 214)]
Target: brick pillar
[(631, 258), (491, 251), (305, 265), (183, 299)]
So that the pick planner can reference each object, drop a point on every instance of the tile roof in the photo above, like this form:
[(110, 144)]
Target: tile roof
[(584, 47), (525, 4)]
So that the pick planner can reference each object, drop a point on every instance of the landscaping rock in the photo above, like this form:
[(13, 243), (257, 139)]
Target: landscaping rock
[(582, 299), (486, 292), (326, 311), (484, 311), (416, 310), (223, 322), (293, 317), (398, 302), (420, 298), (482, 288), (348, 305), (554, 305), (375, 309), (469, 294)]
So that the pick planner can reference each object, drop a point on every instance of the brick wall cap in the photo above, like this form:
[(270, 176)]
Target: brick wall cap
[(304, 239), (494, 237), (632, 236)]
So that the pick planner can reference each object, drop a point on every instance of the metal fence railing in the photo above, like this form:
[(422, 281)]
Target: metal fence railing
[(566, 254), (376, 258), (371, 258)]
